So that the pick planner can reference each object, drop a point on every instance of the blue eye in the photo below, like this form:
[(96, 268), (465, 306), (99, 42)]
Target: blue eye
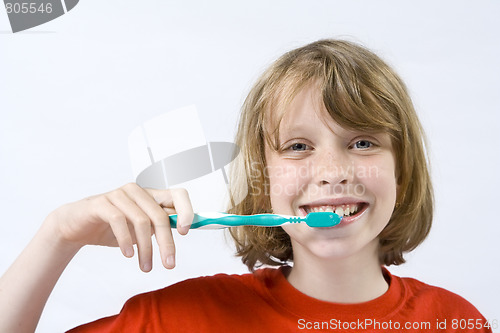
[(363, 144), (298, 147)]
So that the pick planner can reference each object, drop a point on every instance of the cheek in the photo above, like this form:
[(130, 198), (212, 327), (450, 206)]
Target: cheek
[(296, 231), (286, 181), (379, 178)]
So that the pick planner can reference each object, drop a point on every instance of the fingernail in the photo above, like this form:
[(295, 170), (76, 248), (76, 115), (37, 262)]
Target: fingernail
[(129, 252), (146, 267), (184, 229), (171, 261)]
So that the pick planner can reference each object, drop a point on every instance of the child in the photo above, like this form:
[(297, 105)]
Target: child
[(328, 127)]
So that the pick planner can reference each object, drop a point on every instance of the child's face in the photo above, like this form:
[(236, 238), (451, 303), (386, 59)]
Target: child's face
[(322, 166)]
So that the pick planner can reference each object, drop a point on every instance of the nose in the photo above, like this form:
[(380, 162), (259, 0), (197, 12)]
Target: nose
[(332, 168)]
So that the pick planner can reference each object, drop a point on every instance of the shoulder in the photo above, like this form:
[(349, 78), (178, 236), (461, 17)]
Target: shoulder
[(216, 288), (216, 282), (440, 300), (217, 296)]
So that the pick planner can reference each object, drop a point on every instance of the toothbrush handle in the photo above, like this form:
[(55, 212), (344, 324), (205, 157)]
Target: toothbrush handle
[(265, 220), (262, 220)]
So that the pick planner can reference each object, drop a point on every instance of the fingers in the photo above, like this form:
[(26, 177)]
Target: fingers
[(183, 208), (177, 201), (141, 223), (118, 223), (144, 211)]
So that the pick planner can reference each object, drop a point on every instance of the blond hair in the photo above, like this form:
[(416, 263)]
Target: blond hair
[(359, 91)]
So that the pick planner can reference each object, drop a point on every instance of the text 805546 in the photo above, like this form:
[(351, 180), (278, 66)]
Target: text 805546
[(28, 8)]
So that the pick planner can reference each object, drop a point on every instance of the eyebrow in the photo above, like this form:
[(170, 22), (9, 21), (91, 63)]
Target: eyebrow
[(296, 130), (342, 131)]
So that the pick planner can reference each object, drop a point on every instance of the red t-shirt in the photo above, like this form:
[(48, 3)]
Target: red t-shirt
[(266, 302)]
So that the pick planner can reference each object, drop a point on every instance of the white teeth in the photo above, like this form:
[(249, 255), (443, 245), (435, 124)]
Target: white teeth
[(343, 210), (339, 211)]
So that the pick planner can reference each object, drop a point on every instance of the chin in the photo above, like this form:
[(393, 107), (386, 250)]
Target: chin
[(326, 249)]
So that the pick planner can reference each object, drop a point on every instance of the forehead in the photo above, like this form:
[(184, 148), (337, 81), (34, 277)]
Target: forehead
[(307, 103), (306, 114), (305, 110)]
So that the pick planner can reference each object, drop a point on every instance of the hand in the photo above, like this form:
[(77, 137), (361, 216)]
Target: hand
[(126, 216)]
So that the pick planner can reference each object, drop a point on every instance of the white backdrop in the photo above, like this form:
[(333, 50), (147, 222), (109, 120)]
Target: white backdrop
[(72, 90)]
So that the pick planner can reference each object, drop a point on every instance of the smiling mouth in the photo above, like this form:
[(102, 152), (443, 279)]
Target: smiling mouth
[(346, 210)]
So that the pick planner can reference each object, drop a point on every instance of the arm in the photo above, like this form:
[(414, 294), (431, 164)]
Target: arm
[(27, 284), (123, 217)]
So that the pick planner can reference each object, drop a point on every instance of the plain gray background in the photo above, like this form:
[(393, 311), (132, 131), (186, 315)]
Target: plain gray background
[(72, 90)]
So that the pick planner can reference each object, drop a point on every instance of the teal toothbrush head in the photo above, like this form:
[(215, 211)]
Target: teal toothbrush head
[(322, 219)]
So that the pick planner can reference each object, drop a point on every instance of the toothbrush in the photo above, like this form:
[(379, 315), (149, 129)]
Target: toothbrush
[(214, 220)]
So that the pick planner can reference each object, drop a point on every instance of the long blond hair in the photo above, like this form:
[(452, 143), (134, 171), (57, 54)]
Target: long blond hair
[(359, 91)]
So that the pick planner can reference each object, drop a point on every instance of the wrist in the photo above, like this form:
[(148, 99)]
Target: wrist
[(51, 236)]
